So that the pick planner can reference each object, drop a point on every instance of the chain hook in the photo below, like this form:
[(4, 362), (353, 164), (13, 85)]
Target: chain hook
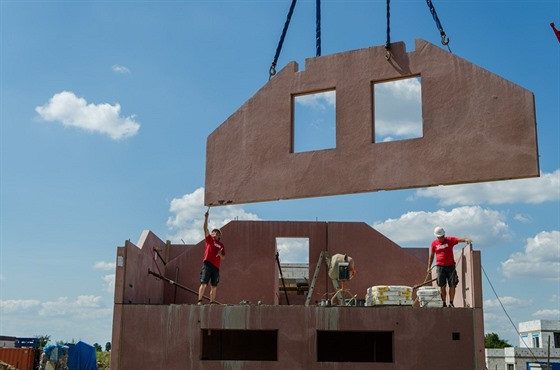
[(444, 39), (272, 70), (388, 54)]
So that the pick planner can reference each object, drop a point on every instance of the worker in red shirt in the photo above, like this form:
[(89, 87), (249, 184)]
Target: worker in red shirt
[(213, 254), (446, 273)]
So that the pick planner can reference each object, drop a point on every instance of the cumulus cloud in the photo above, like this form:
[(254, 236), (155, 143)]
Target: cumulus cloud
[(109, 281), (186, 224), (84, 307), (485, 227), (533, 191), (398, 110), (117, 68), (321, 100), (540, 258), (71, 111), (551, 314), (103, 265), (18, 305), (508, 302), (293, 250)]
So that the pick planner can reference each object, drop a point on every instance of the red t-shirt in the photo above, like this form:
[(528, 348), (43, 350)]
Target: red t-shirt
[(444, 250), (212, 248)]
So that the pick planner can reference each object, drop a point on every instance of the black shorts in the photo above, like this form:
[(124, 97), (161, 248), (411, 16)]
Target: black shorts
[(209, 273), (447, 275)]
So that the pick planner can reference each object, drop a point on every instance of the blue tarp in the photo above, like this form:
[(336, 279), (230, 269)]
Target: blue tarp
[(81, 356)]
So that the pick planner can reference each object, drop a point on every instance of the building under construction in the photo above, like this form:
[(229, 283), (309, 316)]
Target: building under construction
[(477, 115), (158, 325)]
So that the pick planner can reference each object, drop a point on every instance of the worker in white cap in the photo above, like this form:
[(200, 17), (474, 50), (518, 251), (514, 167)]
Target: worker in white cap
[(446, 275)]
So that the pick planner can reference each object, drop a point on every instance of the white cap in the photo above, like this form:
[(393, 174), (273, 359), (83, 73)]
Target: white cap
[(439, 232)]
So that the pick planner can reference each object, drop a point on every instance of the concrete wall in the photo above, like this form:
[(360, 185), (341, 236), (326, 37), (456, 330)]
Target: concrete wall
[(478, 115), (155, 323)]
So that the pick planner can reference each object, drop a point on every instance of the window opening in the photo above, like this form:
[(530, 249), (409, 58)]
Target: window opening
[(314, 125), (354, 346), (239, 345), (397, 110), (293, 254)]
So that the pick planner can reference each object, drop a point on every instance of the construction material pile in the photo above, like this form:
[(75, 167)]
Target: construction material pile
[(389, 295), (429, 297)]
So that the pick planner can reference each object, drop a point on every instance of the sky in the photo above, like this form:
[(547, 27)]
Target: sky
[(105, 108)]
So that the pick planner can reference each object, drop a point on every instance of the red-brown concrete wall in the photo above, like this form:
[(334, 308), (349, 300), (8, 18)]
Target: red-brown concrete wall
[(169, 336), (149, 330), (481, 117)]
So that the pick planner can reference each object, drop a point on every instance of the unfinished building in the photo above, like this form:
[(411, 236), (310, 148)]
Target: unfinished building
[(470, 119), (157, 324)]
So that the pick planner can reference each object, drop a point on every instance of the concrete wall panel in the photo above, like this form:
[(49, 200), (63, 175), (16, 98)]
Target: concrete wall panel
[(477, 127)]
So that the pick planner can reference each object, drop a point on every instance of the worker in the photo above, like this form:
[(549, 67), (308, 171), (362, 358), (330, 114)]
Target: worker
[(446, 274), (337, 275), (214, 253)]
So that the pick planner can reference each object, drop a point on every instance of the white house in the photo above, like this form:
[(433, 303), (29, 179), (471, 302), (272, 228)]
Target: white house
[(533, 351)]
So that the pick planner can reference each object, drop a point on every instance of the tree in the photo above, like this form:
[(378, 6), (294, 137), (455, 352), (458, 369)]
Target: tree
[(492, 340), (107, 346), (97, 347), (43, 340)]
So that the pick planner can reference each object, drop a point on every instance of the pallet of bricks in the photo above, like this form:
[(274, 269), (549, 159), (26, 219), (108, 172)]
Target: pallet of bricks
[(429, 297), (389, 295)]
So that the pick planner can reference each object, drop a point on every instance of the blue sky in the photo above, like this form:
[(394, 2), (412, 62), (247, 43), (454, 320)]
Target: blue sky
[(105, 108)]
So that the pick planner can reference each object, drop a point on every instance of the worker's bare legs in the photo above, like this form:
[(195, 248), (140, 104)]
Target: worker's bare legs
[(213, 290), (443, 293), (451, 296), (201, 291)]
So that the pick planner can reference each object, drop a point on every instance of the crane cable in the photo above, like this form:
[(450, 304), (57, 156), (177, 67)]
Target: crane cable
[(503, 308), (444, 38), (272, 70), (388, 55)]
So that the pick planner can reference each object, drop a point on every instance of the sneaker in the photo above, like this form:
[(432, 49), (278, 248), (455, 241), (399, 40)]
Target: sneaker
[(199, 303), (444, 305), (451, 304)]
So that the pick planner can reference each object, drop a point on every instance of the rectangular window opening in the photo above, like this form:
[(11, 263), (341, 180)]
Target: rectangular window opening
[(314, 121), (239, 345), (397, 110), (354, 346), (293, 254)]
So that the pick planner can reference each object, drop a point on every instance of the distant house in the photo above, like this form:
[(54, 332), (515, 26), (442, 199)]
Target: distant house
[(7, 342), (533, 350)]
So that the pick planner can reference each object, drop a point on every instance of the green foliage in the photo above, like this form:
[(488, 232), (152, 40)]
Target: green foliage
[(492, 340), (97, 347), (108, 346), (43, 340), (103, 360)]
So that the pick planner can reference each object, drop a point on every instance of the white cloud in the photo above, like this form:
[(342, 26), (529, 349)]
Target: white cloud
[(109, 281), (522, 218), (189, 210), (541, 258), (533, 191), (321, 100), (547, 314), (103, 265), (67, 108), (293, 250), (398, 110), (84, 307), (508, 302), (117, 68), (18, 305), (415, 229)]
